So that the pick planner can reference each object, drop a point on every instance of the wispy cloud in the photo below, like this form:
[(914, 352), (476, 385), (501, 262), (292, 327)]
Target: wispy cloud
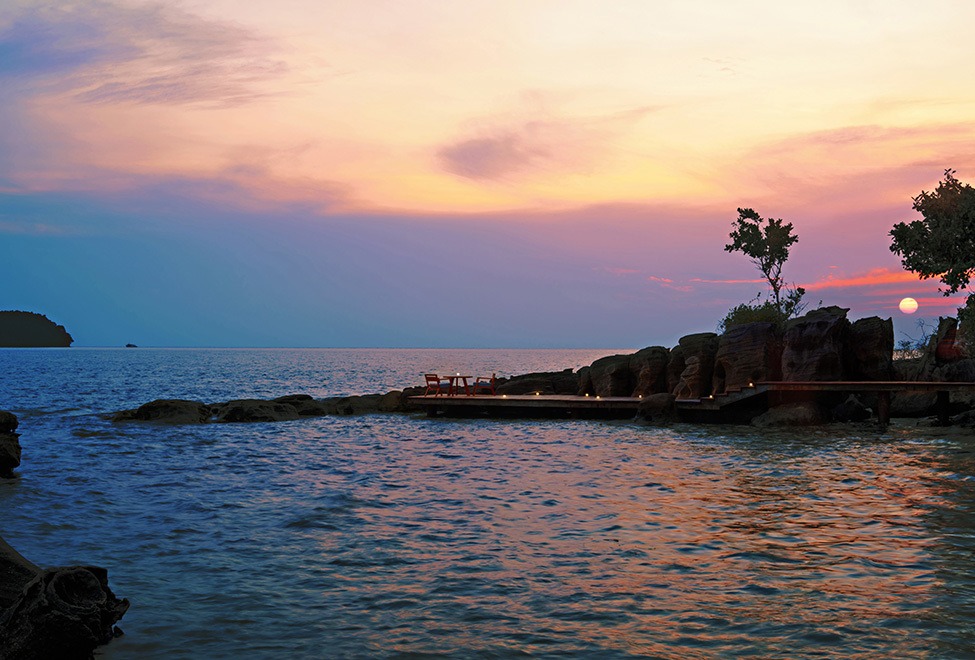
[(538, 140), (105, 52)]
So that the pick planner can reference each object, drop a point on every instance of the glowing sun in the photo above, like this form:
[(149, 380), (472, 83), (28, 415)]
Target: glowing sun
[(908, 305)]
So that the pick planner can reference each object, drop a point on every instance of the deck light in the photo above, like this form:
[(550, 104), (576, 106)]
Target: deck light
[(504, 396), (751, 384), (640, 397), (537, 393), (587, 393)]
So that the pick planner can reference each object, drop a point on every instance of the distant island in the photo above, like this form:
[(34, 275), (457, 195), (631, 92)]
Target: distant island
[(30, 330)]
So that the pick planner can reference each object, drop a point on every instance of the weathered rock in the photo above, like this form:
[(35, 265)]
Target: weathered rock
[(746, 354), (167, 411), (908, 369), (649, 370), (871, 349), (851, 410), (394, 401), (658, 408), (304, 404), (547, 382), (54, 613), (611, 376), (961, 371), (814, 346), (585, 382), (365, 404), (691, 385), (703, 346), (255, 410), (944, 342), (10, 453), (805, 413), (912, 404), (8, 422), (675, 367)]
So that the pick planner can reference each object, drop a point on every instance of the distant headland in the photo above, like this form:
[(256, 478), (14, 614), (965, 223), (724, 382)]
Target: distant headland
[(31, 330)]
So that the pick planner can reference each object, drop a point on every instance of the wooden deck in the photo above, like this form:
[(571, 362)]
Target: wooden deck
[(710, 408), (530, 405)]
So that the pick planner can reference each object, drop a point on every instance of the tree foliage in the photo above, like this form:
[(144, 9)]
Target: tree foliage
[(768, 312), (767, 242), (942, 243)]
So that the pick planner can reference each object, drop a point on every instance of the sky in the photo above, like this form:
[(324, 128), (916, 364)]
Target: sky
[(496, 173)]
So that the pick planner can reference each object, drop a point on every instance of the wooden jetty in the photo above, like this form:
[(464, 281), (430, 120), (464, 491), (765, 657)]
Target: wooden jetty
[(719, 407), (530, 405)]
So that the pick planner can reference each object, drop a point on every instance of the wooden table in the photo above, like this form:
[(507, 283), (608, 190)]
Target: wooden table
[(455, 381)]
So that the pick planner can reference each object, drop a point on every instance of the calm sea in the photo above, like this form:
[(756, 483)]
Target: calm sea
[(393, 536)]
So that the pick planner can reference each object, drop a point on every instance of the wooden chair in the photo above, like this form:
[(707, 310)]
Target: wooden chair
[(436, 384), (485, 384)]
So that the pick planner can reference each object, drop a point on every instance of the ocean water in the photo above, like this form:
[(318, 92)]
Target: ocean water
[(398, 536)]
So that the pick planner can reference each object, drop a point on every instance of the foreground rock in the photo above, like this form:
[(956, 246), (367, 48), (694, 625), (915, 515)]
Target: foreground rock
[(55, 612), (9, 444)]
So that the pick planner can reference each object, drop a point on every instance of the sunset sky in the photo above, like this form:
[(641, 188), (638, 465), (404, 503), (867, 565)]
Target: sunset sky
[(524, 173)]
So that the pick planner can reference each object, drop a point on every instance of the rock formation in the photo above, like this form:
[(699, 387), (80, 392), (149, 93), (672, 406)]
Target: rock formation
[(54, 613), (871, 349), (611, 376), (703, 346), (814, 346), (9, 444), (546, 382), (691, 385), (747, 354), (167, 411), (649, 370), (30, 330)]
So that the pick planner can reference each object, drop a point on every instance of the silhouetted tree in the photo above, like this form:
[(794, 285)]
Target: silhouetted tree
[(942, 243), (767, 242)]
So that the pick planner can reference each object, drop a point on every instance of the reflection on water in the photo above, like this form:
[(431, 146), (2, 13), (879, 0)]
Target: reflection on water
[(386, 535)]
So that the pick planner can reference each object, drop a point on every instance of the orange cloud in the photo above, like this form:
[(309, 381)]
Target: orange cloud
[(875, 277)]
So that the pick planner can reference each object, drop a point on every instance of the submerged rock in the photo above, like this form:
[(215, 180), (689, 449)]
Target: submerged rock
[(805, 413), (851, 410)]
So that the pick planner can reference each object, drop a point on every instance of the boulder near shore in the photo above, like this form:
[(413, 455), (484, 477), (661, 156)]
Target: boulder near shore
[(50, 612)]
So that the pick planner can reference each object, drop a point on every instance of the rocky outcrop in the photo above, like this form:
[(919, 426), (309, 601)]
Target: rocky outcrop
[(814, 346), (611, 376), (944, 342), (691, 385), (547, 382), (649, 370), (704, 347), (29, 330), (167, 411), (806, 413), (254, 410), (746, 354), (675, 367), (871, 349), (54, 613), (9, 444)]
